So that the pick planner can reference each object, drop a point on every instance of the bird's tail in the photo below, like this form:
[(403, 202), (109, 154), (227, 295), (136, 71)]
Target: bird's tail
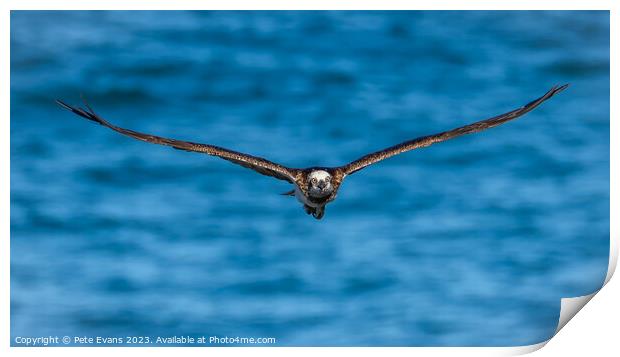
[(289, 193)]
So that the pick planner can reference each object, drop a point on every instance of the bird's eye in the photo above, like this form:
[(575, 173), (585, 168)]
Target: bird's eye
[(313, 180), (328, 179)]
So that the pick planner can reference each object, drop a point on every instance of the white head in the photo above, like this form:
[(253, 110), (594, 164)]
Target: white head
[(319, 183)]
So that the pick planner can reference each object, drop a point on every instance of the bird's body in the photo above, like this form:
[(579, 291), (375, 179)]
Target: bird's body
[(313, 207), (315, 187), (321, 190)]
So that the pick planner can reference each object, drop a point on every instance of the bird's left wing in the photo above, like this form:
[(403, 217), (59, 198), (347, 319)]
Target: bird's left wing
[(446, 135), (255, 163)]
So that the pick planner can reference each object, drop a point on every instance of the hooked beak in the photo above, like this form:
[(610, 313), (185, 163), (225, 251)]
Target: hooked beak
[(322, 184)]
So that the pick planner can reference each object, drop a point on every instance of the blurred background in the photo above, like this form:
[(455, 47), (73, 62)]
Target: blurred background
[(471, 242)]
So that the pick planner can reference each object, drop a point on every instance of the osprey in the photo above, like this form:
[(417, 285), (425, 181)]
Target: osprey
[(315, 187)]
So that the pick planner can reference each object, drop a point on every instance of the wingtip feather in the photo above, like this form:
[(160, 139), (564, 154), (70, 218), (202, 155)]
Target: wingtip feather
[(558, 88), (63, 104), (84, 113)]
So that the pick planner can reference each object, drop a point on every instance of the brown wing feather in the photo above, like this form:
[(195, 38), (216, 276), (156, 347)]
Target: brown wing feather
[(446, 135), (255, 163)]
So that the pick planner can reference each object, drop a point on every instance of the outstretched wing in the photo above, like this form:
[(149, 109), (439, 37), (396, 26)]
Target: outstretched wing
[(446, 135), (255, 163)]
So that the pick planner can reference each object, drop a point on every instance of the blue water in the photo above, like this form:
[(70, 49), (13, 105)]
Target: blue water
[(469, 242)]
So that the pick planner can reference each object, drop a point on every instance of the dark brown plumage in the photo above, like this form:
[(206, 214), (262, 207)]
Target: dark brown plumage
[(314, 204), (424, 141)]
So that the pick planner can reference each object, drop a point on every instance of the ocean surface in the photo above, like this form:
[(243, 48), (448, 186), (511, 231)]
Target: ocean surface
[(471, 242)]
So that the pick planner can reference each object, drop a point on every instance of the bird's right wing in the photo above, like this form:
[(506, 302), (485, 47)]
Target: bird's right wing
[(446, 135), (258, 164)]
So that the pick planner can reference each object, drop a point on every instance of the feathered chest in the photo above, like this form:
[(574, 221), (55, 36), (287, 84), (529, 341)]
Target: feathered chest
[(313, 201)]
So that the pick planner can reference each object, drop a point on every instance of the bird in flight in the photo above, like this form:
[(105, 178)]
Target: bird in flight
[(315, 187)]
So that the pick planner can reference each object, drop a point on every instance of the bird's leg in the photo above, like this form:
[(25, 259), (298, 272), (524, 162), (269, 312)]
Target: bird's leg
[(309, 210), (319, 212)]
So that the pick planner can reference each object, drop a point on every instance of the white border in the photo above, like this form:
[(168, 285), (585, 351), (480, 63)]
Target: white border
[(595, 323), (314, 5)]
